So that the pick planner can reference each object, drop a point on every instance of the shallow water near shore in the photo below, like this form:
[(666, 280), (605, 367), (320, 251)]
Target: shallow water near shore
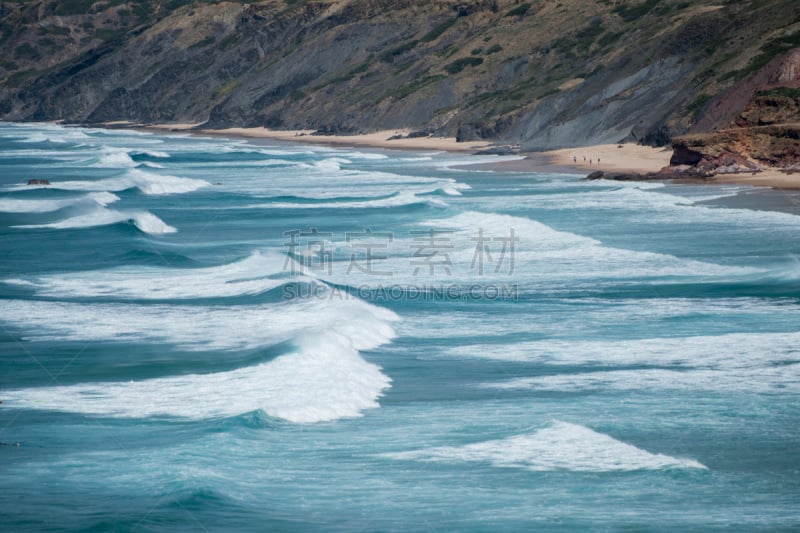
[(206, 333)]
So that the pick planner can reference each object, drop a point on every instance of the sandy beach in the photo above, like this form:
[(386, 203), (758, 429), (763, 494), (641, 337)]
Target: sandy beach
[(379, 139), (581, 160), (612, 157)]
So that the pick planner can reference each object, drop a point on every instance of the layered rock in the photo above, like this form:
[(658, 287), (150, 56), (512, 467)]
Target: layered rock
[(765, 134), (542, 74)]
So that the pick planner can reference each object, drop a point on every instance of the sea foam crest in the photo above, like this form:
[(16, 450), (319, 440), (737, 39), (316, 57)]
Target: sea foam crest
[(114, 157), (395, 200), (560, 446), (325, 378), (331, 163), (14, 205), (382, 195), (193, 328), (252, 275), (143, 220), (544, 252), (147, 182), (54, 134)]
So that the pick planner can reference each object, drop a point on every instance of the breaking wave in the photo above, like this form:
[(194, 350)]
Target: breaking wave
[(560, 446)]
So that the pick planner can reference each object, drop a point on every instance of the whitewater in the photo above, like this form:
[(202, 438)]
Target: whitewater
[(216, 334)]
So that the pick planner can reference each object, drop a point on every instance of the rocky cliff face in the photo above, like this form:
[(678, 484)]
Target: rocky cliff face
[(765, 134), (545, 73)]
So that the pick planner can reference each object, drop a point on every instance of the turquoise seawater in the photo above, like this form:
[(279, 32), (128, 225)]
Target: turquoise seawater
[(210, 334)]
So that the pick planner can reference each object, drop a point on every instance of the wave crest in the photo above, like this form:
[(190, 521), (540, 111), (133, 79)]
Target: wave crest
[(325, 378), (560, 446), (147, 182), (14, 205), (143, 220)]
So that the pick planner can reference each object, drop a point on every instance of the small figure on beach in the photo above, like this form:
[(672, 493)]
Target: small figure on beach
[(590, 161), (584, 159), (574, 159)]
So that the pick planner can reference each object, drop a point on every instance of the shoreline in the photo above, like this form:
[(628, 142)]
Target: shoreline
[(625, 158), (379, 139)]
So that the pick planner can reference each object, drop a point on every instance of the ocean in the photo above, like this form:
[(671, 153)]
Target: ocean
[(210, 334)]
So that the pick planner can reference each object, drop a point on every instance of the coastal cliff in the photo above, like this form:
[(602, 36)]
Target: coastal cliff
[(541, 74)]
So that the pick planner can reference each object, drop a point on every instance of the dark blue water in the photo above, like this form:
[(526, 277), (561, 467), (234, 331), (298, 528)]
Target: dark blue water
[(205, 334)]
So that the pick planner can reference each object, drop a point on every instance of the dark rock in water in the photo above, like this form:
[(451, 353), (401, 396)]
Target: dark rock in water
[(38, 182), (505, 149), (629, 176), (686, 173), (619, 176), (596, 175)]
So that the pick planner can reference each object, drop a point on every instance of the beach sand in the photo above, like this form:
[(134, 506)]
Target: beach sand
[(768, 178), (612, 157), (583, 160), (378, 139)]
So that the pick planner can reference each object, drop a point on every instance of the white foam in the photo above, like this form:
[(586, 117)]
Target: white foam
[(13, 205), (543, 258), (56, 134), (560, 446), (764, 362), (196, 328), (396, 200), (729, 351), (779, 379), (252, 275), (544, 254), (653, 205), (153, 153), (113, 157), (331, 164), (157, 184), (144, 220), (451, 191), (147, 182), (324, 379), (366, 155)]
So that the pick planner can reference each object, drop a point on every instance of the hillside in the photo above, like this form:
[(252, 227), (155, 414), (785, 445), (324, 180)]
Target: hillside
[(545, 73)]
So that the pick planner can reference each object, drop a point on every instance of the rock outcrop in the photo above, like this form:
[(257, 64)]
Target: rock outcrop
[(765, 134), (740, 149)]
